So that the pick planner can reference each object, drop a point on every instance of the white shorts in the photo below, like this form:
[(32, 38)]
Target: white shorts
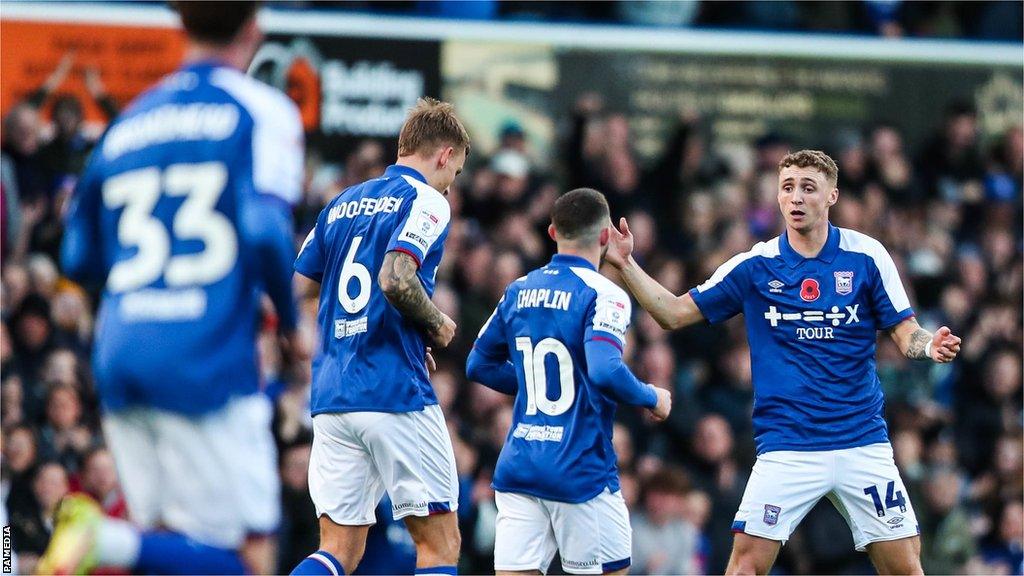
[(592, 537), (358, 455), (212, 478), (862, 483)]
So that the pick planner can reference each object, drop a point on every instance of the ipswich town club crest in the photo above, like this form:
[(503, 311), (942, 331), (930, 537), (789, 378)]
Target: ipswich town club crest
[(771, 514), (844, 282)]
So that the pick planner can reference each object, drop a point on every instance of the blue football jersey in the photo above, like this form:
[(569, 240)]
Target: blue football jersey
[(163, 218), (370, 358), (812, 326), (560, 444)]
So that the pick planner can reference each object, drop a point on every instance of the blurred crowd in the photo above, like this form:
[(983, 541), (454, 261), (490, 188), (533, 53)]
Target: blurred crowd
[(987, 20), (950, 214)]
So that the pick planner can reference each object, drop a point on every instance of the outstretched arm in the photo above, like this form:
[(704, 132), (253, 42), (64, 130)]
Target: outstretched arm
[(917, 343), (614, 379), (404, 291), (671, 312)]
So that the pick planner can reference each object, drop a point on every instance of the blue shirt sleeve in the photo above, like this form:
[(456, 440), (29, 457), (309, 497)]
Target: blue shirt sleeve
[(889, 300), (266, 230), (81, 254), (311, 261), (721, 297), (488, 362), (610, 375), (424, 226), (608, 318)]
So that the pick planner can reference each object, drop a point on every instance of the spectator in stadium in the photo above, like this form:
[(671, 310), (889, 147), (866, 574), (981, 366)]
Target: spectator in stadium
[(298, 531), (945, 525), (32, 518), (714, 471), (64, 436), (1004, 551), (97, 477), (664, 540), (951, 164)]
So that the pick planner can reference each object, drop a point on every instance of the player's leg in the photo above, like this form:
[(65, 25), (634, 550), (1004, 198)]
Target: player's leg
[(871, 495), (752, 554), (242, 440), (594, 537), (524, 542), (437, 542), (782, 489), (171, 478), (901, 556), (345, 487), (413, 453)]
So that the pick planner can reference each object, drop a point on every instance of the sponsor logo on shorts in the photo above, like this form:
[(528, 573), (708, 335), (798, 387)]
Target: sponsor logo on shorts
[(578, 564), (408, 505), (771, 514), (895, 522)]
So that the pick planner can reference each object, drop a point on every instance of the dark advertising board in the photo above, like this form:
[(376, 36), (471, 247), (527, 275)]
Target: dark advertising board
[(810, 101), (349, 89)]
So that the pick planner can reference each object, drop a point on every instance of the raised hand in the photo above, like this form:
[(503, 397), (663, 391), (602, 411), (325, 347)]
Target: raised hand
[(620, 244), (945, 345)]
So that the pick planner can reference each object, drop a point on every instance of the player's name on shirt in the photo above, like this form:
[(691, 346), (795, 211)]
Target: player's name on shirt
[(172, 123), (364, 207), (544, 298)]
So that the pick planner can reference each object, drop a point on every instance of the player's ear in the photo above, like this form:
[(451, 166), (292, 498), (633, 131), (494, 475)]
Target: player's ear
[(445, 157), (551, 232), (605, 235), (833, 196)]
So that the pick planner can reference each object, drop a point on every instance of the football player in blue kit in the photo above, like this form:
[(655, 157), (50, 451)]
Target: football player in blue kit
[(183, 217), (372, 257), (812, 299), (555, 342)]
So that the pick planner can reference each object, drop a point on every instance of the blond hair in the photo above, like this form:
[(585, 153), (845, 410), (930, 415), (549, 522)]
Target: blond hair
[(812, 159), (431, 124)]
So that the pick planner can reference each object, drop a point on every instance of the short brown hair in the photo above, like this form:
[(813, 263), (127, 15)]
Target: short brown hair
[(214, 21), (430, 124), (668, 480), (580, 214), (812, 159)]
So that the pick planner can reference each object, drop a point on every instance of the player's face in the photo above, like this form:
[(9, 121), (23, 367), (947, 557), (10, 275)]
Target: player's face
[(805, 195), (452, 168)]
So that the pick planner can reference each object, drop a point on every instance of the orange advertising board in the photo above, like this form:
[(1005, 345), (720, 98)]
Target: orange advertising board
[(129, 59)]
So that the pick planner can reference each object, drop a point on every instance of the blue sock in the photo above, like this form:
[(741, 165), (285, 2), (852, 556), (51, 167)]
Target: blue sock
[(173, 553), (319, 563), (438, 571)]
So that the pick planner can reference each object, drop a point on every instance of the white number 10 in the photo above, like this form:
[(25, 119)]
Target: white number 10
[(537, 376)]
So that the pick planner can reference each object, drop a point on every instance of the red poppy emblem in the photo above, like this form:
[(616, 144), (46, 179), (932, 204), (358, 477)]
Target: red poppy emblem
[(809, 290)]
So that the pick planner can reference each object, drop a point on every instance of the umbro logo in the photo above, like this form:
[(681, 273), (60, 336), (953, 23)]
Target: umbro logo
[(775, 286)]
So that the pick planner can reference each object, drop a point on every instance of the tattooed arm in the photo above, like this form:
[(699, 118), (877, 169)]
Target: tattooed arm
[(404, 291), (917, 343)]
